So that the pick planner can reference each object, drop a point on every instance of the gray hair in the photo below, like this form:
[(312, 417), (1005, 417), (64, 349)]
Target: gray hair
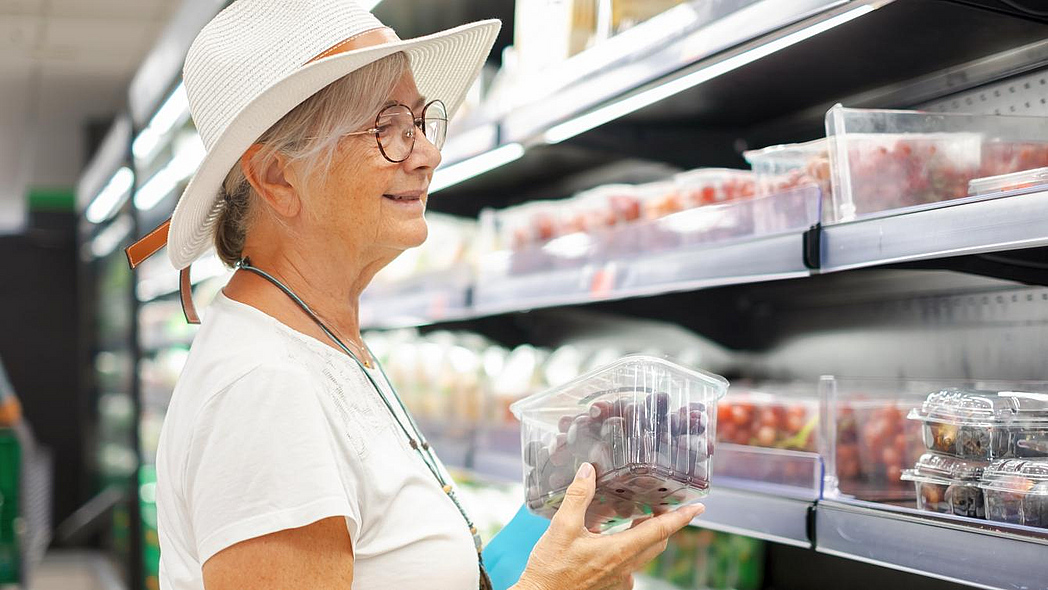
[(310, 133)]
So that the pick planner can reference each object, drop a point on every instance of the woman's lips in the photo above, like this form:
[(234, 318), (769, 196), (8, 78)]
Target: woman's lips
[(408, 196)]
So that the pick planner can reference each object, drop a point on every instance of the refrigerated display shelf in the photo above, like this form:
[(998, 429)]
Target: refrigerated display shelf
[(780, 513), (1011, 221), (672, 42), (410, 306), (966, 551), (749, 261), (1007, 221), (469, 142)]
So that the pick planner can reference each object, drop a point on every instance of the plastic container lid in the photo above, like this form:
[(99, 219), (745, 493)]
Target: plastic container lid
[(1008, 182), (945, 469), (1025, 476), (983, 408)]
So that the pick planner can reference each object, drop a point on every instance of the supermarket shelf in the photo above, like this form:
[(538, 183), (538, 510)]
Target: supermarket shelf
[(779, 512), (419, 300), (750, 261), (676, 40), (757, 515), (467, 143), (956, 549), (1008, 222)]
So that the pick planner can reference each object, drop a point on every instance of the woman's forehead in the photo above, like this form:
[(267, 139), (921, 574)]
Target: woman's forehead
[(406, 92)]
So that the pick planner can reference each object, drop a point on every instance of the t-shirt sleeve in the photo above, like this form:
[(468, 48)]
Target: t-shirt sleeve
[(264, 458)]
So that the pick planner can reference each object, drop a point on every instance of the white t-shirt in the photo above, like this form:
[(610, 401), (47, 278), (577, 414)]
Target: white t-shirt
[(269, 429)]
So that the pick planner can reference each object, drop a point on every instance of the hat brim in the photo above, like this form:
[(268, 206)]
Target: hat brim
[(444, 65)]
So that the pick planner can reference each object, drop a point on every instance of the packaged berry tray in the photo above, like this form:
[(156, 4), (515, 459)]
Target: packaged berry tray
[(949, 485), (985, 425), (645, 424), (1016, 491)]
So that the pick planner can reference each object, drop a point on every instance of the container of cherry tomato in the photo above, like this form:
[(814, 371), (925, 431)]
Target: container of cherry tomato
[(645, 424), (710, 186), (780, 168), (882, 160), (1016, 491), (948, 485), (763, 419)]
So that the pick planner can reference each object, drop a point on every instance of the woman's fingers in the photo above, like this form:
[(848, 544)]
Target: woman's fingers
[(650, 553), (572, 511), (659, 528)]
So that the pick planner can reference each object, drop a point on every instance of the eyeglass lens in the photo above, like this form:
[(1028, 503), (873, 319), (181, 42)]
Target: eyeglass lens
[(396, 129)]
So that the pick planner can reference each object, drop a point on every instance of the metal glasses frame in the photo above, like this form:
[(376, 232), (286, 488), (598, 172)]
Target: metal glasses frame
[(419, 122)]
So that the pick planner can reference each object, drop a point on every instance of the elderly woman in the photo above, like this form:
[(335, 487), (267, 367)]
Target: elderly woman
[(286, 459)]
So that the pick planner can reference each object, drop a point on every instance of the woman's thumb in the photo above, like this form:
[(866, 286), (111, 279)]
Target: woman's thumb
[(572, 511)]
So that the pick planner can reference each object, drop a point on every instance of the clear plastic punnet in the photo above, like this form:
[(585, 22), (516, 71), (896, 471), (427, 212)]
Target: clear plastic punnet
[(645, 424), (710, 186), (985, 425), (885, 160), (785, 167), (949, 485), (868, 441), (1016, 491)]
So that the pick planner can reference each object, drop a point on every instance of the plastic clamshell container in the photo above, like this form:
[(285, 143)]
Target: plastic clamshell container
[(985, 425), (949, 485), (1009, 182), (868, 441), (659, 199), (788, 166), (710, 186), (1016, 492), (644, 423), (883, 160)]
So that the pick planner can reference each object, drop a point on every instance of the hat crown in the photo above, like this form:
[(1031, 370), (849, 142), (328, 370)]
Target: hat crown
[(252, 44)]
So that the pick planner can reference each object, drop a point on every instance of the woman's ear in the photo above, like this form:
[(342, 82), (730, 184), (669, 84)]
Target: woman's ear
[(270, 181)]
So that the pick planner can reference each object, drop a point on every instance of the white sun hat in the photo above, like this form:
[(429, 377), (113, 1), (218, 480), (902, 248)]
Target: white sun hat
[(259, 59)]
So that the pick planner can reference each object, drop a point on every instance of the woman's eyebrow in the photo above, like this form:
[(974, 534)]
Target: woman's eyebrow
[(421, 102)]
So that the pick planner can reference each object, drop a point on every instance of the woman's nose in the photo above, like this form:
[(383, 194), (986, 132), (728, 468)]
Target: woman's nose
[(424, 154)]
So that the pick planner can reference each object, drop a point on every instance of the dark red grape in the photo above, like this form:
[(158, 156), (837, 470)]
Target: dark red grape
[(559, 453), (531, 452), (564, 423), (600, 410)]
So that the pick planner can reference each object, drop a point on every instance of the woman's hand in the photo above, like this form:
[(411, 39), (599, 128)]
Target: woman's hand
[(572, 558)]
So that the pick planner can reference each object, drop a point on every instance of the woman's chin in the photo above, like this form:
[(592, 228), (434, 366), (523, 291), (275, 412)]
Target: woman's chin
[(413, 235)]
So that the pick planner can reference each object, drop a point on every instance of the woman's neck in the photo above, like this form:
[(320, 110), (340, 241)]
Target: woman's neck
[(332, 291)]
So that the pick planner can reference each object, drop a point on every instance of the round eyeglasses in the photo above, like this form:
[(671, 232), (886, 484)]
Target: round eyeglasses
[(395, 127)]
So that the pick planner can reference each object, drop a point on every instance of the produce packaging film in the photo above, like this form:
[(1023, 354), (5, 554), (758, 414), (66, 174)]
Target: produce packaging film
[(985, 425), (645, 424), (1016, 492), (947, 484)]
